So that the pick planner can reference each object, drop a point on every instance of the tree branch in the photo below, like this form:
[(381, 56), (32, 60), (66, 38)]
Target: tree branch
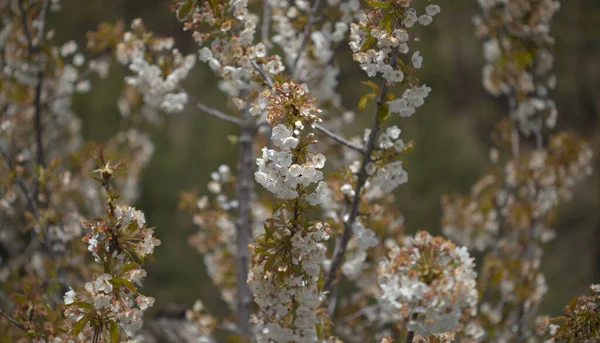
[(262, 73), (342, 244), (266, 24), (339, 139), (216, 113), (12, 320), (244, 192), (307, 27)]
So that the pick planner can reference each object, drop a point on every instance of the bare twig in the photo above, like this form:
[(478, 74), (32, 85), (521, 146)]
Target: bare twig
[(266, 24), (307, 27), (216, 113), (26, 31), (342, 243), (339, 139), (12, 320), (262, 73)]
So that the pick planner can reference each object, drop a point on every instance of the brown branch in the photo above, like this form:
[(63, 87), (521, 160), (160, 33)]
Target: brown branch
[(307, 27), (244, 192), (339, 139), (342, 244), (218, 114), (12, 320)]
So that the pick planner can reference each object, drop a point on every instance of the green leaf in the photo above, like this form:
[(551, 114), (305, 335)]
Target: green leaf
[(364, 101), (81, 324), (369, 41), (114, 332), (371, 85), (377, 4), (383, 113), (82, 304)]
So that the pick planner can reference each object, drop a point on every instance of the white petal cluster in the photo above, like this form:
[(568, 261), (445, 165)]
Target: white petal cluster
[(427, 283), (375, 60), (280, 176), (364, 239), (390, 176), (159, 90), (287, 305), (504, 73), (411, 99)]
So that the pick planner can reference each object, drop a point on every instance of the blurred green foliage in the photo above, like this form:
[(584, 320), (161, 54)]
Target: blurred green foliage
[(450, 131)]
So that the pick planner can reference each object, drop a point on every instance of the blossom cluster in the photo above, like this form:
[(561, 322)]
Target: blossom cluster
[(519, 61), (226, 32), (110, 307), (580, 320), (384, 28), (428, 283), (284, 281), (293, 168), (158, 68)]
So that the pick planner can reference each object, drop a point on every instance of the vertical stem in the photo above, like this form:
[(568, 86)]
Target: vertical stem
[(410, 337), (340, 249), (244, 191)]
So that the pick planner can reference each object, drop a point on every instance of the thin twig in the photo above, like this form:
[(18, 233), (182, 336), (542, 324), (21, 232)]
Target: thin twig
[(339, 139), (216, 113), (266, 24), (262, 73), (342, 244), (12, 320), (307, 27), (28, 37), (526, 257)]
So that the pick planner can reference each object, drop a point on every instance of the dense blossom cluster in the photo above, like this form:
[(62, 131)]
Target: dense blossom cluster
[(110, 307), (509, 212), (519, 61), (45, 188), (284, 280), (158, 68), (427, 283), (538, 183), (580, 320), (268, 251)]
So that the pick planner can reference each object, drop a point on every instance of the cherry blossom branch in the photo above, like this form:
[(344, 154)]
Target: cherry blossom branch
[(339, 139), (12, 320), (539, 145), (216, 113), (342, 245), (262, 73), (307, 27), (244, 192)]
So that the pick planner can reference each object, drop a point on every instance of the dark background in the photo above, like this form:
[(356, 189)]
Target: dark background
[(451, 133)]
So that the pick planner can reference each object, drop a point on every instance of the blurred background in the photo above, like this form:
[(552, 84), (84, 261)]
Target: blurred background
[(451, 133)]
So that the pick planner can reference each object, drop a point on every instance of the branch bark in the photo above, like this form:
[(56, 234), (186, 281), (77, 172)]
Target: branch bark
[(307, 27), (12, 320), (339, 139), (216, 113), (244, 192), (342, 244)]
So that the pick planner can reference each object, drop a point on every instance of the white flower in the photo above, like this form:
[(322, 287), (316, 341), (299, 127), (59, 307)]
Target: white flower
[(417, 60), (430, 304), (69, 297), (425, 19), (432, 9)]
